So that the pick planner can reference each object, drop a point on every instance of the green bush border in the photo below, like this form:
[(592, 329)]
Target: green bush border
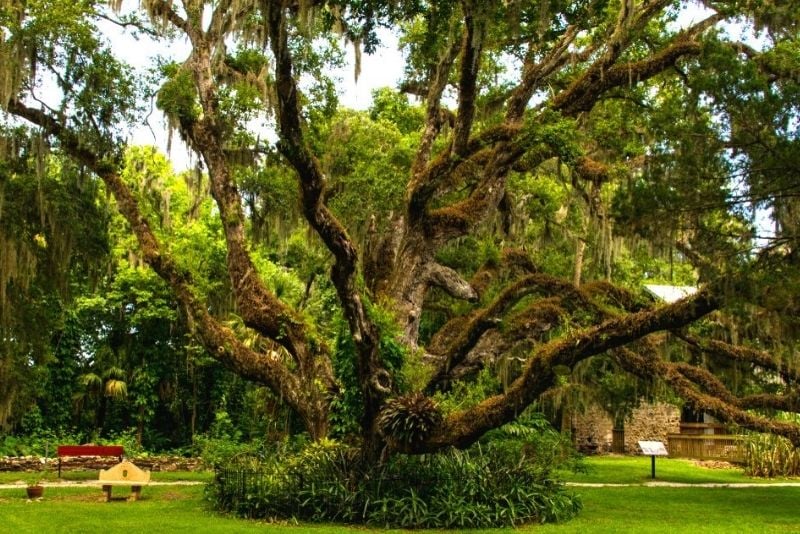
[(453, 489)]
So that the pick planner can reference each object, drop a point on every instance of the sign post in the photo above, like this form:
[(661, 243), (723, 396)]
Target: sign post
[(653, 449)]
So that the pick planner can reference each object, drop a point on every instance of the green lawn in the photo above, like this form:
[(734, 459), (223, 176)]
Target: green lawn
[(690, 510), (634, 509), (162, 509), (612, 509), (636, 470)]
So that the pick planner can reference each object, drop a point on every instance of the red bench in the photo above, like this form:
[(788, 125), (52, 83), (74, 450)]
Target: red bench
[(89, 450)]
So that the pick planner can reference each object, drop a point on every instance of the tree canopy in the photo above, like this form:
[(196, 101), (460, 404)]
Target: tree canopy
[(497, 212)]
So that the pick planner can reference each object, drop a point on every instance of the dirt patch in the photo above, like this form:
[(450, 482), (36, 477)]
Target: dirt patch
[(714, 464), (84, 497)]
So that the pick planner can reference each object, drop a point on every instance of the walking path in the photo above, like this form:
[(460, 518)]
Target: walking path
[(83, 483)]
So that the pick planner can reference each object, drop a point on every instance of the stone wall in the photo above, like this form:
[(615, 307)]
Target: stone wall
[(153, 463), (651, 422), (592, 429)]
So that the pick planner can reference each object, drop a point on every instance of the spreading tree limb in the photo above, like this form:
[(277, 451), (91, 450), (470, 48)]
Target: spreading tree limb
[(220, 341), (373, 377), (465, 427)]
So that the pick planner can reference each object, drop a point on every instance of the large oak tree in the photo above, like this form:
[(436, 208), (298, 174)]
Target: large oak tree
[(682, 124)]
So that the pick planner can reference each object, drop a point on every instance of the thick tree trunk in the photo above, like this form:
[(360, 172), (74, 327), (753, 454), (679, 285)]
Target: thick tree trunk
[(409, 285)]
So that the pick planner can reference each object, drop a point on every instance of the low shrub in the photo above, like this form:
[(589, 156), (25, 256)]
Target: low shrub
[(219, 451), (767, 455), (531, 438), (322, 483), (43, 443)]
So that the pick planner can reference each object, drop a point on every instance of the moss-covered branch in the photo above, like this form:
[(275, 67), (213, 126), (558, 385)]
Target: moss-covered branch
[(463, 428), (740, 353), (695, 389), (294, 148), (219, 341)]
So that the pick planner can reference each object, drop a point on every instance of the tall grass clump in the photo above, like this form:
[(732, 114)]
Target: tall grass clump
[(767, 455), (321, 482)]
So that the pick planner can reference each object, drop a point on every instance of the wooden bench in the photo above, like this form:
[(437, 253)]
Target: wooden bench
[(124, 474), (89, 450)]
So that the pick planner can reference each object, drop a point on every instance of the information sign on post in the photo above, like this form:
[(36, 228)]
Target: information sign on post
[(653, 449)]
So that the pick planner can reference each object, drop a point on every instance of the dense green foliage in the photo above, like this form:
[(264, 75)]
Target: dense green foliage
[(104, 352), (770, 456), (470, 489), (180, 508)]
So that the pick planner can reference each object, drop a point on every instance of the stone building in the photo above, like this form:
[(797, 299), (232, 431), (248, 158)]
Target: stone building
[(593, 430)]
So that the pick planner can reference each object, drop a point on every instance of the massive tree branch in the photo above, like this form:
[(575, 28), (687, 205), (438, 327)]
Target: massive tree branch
[(433, 116), (259, 308), (757, 357), (586, 90), (533, 74), (312, 185), (513, 262), (481, 337), (448, 170), (471, 49), (463, 333), (447, 223), (603, 75), (429, 230), (787, 402), (464, 428), (707, 381), (724, 408)]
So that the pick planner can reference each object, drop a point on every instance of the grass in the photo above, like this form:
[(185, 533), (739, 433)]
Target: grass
[(162, 509), (636, 470), (664, 510), (611, 509), (631, 509)]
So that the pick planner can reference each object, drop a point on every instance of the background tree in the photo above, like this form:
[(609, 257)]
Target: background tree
[(602, 112)]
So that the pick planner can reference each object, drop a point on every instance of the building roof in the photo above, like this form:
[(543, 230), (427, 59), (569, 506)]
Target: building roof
[(670, 293)]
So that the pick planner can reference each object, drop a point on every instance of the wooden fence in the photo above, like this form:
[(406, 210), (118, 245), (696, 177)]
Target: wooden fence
[(706, 447), (703, 428)]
